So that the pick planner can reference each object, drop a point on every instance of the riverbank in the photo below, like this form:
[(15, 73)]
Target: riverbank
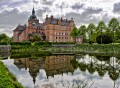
[(104, 49), (7, 80)]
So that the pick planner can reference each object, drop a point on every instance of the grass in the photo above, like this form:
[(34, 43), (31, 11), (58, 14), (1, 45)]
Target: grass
[(106, 49), (7, 80)]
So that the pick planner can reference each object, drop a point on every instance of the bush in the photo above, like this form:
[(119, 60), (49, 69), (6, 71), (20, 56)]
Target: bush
[(105, 39), (117, 41), (42, 43), (20, 43), (63, 43), (3, 43)]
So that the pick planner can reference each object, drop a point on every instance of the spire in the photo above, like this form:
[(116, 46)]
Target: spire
[(33, 11)]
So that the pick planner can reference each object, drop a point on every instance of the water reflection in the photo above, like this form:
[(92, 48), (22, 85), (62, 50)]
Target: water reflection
[(98, 71), (52, 65)]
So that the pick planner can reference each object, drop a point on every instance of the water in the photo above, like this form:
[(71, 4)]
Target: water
[(66, 71)]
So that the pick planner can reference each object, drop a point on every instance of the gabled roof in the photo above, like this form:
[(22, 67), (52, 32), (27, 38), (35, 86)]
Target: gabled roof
[(20, 28)]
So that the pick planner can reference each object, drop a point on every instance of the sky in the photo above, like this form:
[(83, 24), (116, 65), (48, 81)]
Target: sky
[(13, 12)]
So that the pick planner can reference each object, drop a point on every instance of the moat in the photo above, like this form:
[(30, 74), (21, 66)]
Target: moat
[(61, 71)]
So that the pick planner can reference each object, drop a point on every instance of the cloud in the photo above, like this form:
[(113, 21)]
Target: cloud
[(47, 2), (87, 15), (13, 17), (83, 11), (116, 7), (7, 29), (77, 6)]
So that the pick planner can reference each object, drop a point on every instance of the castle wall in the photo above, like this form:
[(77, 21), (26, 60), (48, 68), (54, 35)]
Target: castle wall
[(16, 36)]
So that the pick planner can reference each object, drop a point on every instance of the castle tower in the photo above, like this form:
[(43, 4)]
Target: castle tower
[(33, 18)]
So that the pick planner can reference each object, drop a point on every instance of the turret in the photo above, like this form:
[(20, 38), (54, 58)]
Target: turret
[(33, 11)]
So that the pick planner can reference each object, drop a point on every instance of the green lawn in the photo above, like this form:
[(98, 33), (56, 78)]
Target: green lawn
[(7, 80)]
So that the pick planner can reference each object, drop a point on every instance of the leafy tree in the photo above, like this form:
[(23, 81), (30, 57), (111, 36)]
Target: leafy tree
[(113, 25), (90, 29), (36, 37), (3, 36), (8, 40), (82, 31), (117, 34), (101, 28), (74, 33)]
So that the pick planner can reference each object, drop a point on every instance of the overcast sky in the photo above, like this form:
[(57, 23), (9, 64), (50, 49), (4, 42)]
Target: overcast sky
[(13, 12)]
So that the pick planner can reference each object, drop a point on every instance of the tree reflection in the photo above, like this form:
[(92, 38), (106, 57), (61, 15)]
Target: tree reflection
[(60, 64), (102, 67)]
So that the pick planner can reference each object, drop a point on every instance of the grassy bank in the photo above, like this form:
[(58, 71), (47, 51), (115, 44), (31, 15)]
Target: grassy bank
[(7, 80), (77, 47)]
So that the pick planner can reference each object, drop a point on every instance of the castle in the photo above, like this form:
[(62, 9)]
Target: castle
[(51, 30)]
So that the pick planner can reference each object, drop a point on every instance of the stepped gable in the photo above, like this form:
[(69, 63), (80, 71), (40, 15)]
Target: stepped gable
[(52, 20)]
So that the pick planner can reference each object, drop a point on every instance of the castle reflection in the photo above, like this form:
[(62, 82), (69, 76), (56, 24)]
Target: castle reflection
[(52, 65)]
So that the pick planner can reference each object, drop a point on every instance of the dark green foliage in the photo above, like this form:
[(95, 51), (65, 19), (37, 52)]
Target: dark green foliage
[(42, 43), (103, 39), (3, 36), (36, 37), (20, 43), (3, 43)]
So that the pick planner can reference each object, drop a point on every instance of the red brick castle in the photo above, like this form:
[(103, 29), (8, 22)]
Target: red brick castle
[(52, 30)]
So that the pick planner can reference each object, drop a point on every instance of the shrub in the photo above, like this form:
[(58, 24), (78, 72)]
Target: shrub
[(105, 39), (117, 41), (3, 43)]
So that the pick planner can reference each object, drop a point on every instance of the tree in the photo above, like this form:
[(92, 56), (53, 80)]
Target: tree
[(113, 25), (105, 39), (74, 33), (82, 31), (117, 35), (8, 40), (90, 29), (3, 36), (100, 29), (35, 37)]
